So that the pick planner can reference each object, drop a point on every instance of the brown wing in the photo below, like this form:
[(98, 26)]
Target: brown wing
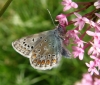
[(25, 45), (47, 53)]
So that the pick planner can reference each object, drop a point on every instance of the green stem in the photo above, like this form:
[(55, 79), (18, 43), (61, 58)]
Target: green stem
[(5, 7)]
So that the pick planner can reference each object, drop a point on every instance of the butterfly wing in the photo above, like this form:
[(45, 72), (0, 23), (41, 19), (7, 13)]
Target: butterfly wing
[(25, 45), (65, 52), (47, 53)]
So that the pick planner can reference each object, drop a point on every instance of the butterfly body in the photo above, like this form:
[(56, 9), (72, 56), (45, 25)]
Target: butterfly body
[(44, 50)]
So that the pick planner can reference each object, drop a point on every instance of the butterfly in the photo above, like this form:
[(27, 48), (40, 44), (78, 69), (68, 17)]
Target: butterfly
[(44, 49)]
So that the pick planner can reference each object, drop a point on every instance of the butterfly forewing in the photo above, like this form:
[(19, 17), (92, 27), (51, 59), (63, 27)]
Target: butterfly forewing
[(26, 44), (47, 53)]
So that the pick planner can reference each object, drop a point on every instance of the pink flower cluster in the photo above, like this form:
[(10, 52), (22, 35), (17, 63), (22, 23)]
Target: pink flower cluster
[(88, 80), (83, 26)]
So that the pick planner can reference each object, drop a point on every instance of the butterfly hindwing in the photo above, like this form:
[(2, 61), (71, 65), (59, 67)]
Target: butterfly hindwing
[(47, 53)]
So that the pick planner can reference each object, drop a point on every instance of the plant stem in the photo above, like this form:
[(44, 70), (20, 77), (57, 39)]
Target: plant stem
[(5, 7)]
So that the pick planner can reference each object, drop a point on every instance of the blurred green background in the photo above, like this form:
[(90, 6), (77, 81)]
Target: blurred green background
[(26, 17)]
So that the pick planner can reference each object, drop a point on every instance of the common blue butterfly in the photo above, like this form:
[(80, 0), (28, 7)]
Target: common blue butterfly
[(44, 49)]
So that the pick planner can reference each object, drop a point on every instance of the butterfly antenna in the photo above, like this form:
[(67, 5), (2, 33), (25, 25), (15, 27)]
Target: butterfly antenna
[(51, 17)]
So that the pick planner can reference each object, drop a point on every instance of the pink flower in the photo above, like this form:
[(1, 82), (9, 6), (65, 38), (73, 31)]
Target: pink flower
[(94, 49), (97, 81), (97, 4), (97, 26), (69, 4), (86, 80), (98, 15), (92, 68), (90, 22), (79, 42), (62, 20), (72, 34), (79, 21), (96, 60), (95, 35), (98, 21), (88, 77), (77, 51)]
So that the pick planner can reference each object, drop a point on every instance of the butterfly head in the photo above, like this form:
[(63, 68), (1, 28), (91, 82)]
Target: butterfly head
[(61, 31)]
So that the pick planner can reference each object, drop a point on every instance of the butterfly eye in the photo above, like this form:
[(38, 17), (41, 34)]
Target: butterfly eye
[(41, 56), (39, 50), (32, 47), (33, 39), (53, 46), (24, 39), (41, 37), (28, 46), (53, 55), (45, 40), (23, 42), (49, 55)]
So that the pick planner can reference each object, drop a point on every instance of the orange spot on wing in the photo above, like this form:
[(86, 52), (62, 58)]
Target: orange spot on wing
[(53, 60), (43, 62), (39, 62), (34, 56), (48, 62)]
